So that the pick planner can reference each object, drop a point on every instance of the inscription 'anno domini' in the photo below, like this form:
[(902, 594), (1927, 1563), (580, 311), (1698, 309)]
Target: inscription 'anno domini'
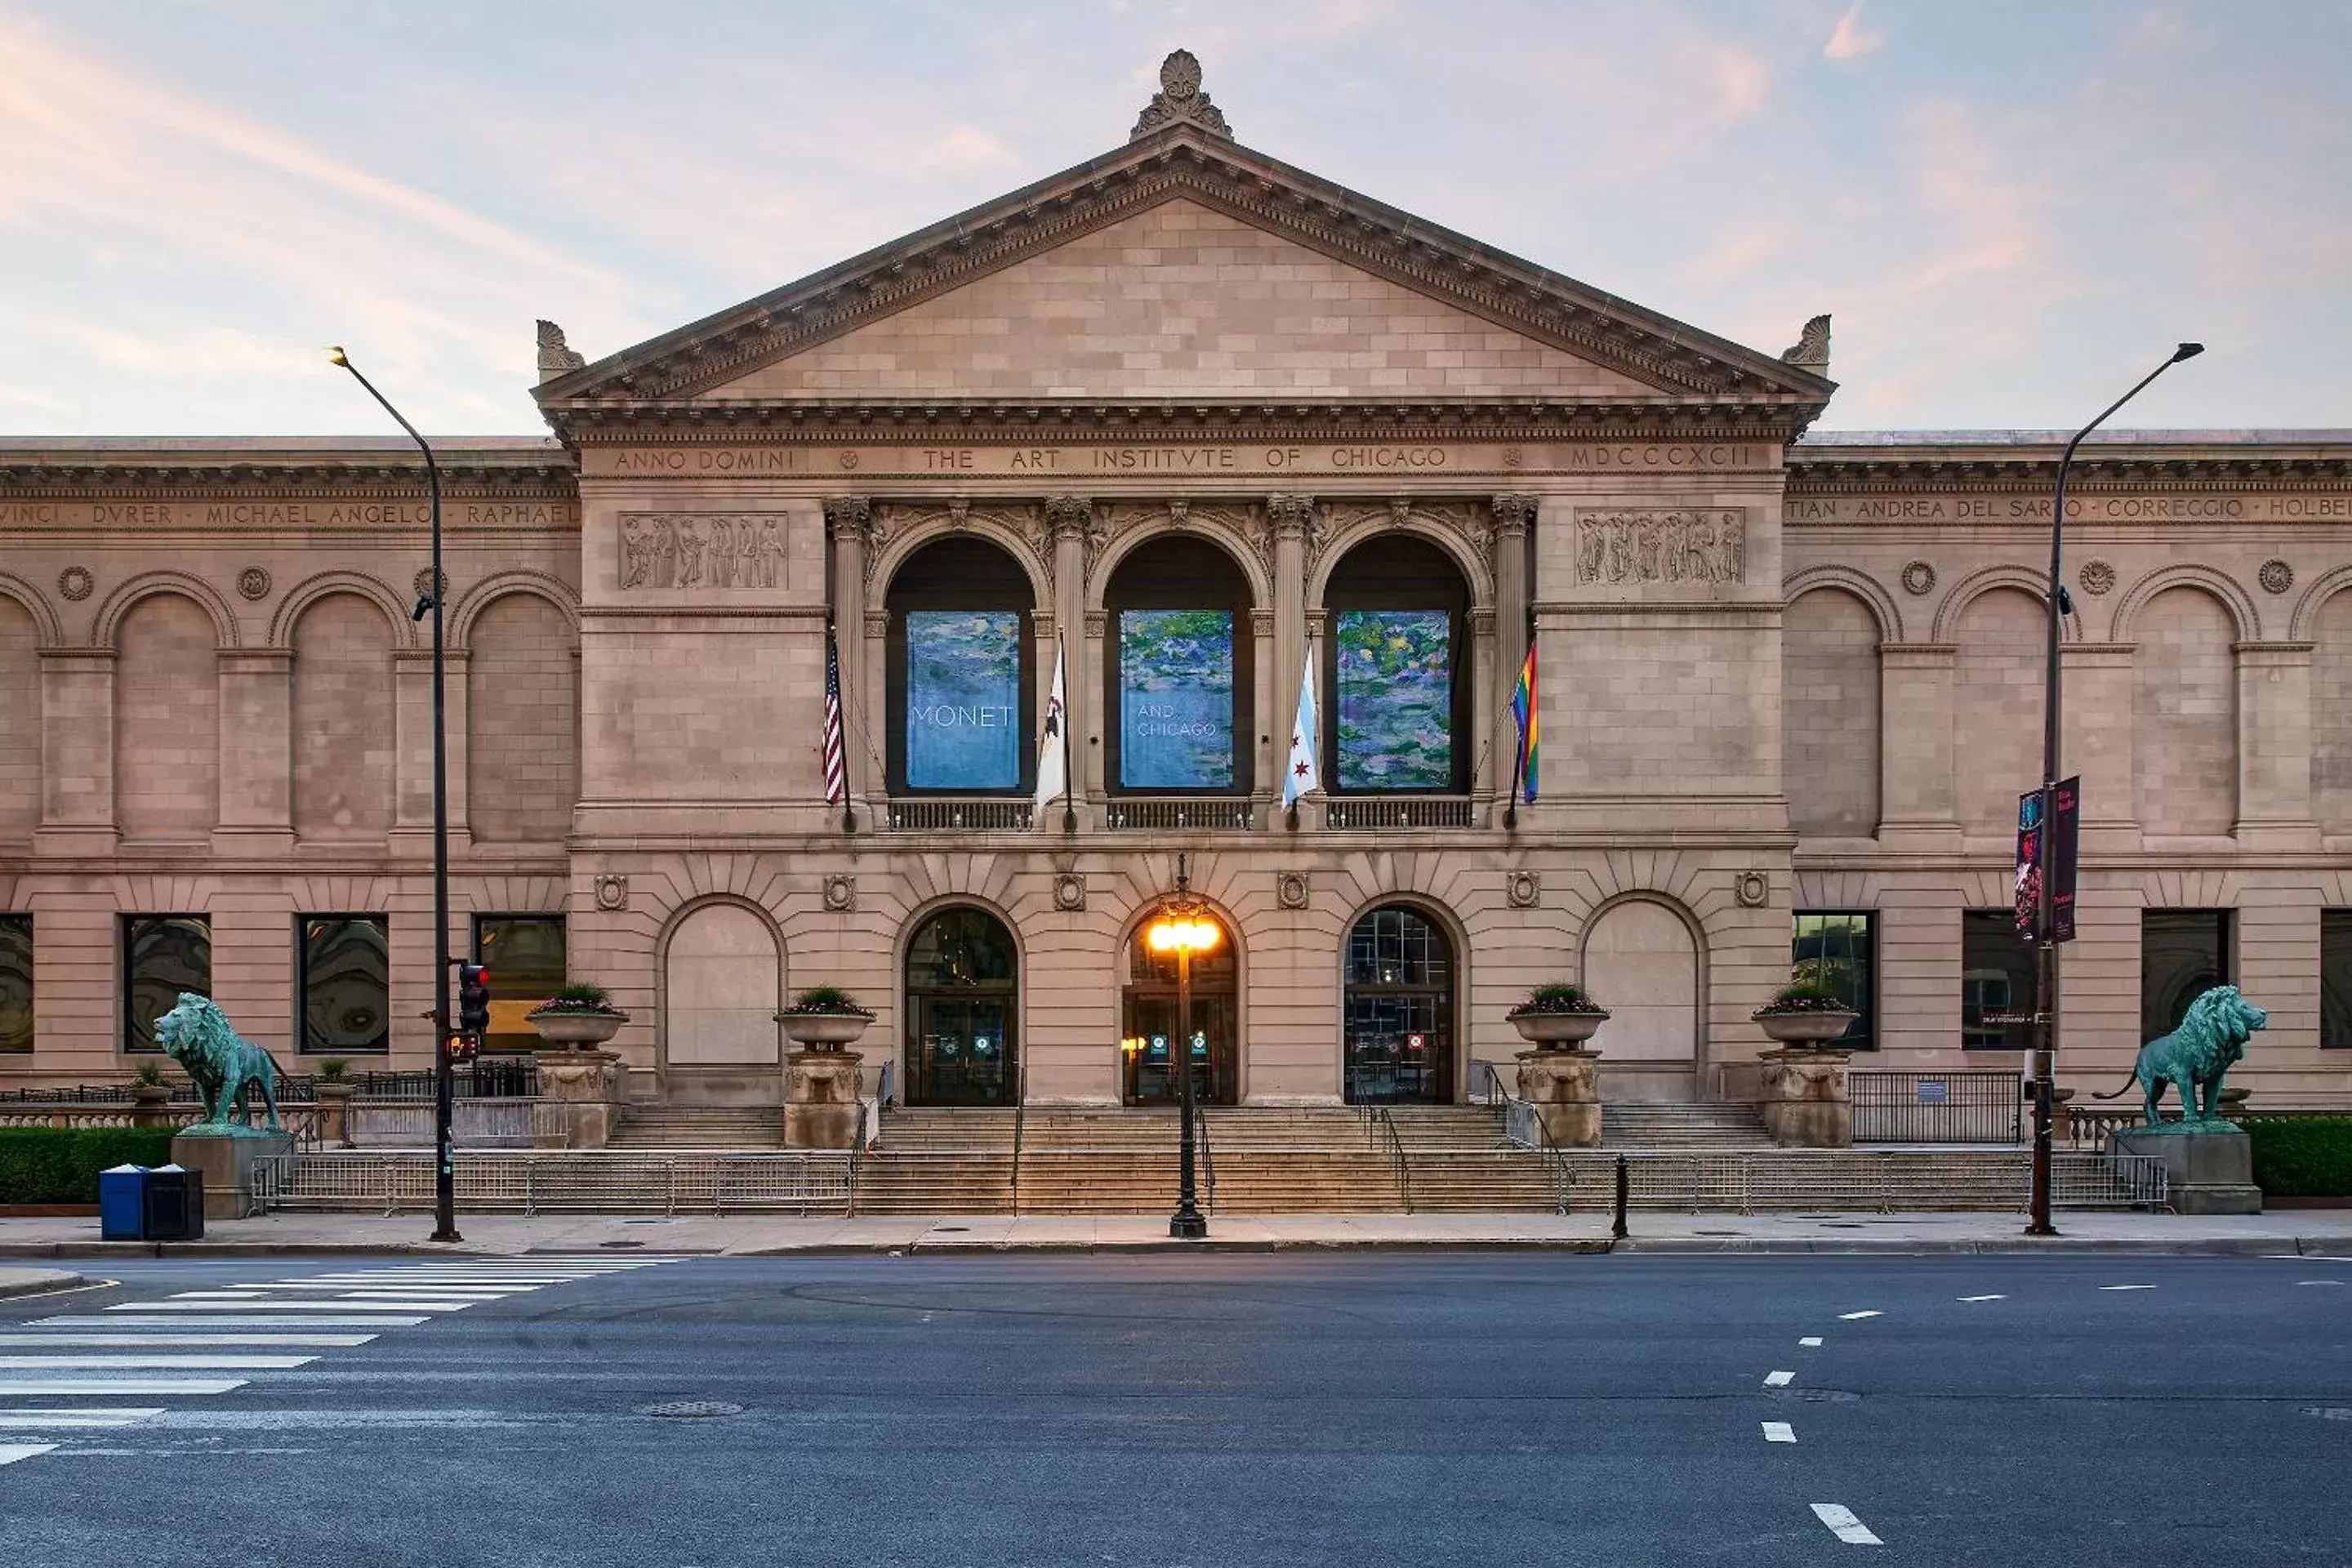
[(731, 551)]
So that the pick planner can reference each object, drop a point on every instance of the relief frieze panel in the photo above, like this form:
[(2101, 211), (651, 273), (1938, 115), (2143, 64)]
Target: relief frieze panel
[(711, 552), (1695, 545)]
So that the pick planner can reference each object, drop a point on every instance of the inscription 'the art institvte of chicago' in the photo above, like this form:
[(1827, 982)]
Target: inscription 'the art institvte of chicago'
[(1188, 458)]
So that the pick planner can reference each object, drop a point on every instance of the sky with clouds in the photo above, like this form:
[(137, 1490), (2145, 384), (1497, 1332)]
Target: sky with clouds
[(2012, 207)]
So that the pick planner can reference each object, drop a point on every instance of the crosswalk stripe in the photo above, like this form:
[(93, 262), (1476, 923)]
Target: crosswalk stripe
[(247, 1304), (38, 1386), (251, 1342), (24, 1418), (15, 1364), (135, 1320), (12, 1452)]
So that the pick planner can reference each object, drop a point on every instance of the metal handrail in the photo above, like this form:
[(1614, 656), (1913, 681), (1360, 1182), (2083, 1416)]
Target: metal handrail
[(1208, 1160), (1387, 1125), (1013, 1186)]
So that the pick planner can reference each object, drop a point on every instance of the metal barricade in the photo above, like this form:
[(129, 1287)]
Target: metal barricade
[(1970, 1106)]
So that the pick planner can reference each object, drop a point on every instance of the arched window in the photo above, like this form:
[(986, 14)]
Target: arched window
[(1178, 667), (1398, 1029), (962, 672), (1392, 660), (963, 996), (1148, 1040)]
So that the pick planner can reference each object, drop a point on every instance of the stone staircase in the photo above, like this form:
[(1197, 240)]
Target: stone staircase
[(646, 1127), (1643, 1128), (939, 1161)]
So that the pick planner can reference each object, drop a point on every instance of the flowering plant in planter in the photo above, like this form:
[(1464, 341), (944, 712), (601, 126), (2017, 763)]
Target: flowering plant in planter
[(577, 1014), (1805, 1015), (1804, 997), (1557, 998), (824, 1018), (577, 999)]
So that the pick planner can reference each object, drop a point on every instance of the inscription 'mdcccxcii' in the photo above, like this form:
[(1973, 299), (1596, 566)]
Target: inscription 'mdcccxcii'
[(733, 551)]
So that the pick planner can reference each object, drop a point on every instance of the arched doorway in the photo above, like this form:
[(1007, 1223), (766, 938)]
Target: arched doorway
[(1641, 963), (719, 995), (1148, 1047), (964, 994), (1397, 1028)]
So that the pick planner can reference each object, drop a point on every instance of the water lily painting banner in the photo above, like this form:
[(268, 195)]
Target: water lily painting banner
[(963, 700), (1395, 708), (1176, 698)]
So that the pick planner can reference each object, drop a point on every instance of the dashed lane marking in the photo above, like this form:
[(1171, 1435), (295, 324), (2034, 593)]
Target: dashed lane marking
[(2319, 1281), (134, 1337), (27, 1419), (1811, 1342), (1844, 1525), (12, 1452), (152, 1363), (2126, 1286), (1778, 1379), (1857, 1316), (1780, 1432), (1984, 1297)]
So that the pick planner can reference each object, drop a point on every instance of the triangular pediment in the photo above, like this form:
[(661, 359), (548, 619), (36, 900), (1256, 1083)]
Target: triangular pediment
[(1186, 268)]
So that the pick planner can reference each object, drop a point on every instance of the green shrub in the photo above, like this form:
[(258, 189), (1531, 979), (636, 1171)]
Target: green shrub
[(2301, 1157), (60, 1164)]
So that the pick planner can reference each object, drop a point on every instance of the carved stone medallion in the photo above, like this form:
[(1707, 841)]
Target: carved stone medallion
[(2276, 576), (1752, 888), (612, 891), (1070, 890), (2097, 577), (841, 891), (1918, 577), (1291, 889), (423, 582), (1524, 889), (74, 582), (253, 582)]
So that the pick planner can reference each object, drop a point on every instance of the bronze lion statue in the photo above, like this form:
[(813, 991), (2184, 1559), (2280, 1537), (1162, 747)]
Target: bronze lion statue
[(2211, 1039), (221, 1063)]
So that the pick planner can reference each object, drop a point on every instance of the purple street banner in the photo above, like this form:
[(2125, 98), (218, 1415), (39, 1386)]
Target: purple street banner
[(2067, 824)]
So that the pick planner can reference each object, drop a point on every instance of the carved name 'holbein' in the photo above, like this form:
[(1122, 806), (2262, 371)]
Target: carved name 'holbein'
[(1662, 546), (730, 552)]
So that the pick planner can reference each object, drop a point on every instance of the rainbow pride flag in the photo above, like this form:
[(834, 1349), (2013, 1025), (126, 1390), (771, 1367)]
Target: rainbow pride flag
[(1523, 709)]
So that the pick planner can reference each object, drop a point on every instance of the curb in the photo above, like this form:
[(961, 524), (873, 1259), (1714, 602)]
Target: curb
[(59, 1279)]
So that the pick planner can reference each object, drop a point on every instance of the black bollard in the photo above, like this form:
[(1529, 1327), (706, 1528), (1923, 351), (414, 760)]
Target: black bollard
[(1618, 1230)]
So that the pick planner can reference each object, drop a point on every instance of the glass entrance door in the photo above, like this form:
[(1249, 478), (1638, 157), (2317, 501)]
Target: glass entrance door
[(1149, 1049), (1398, 1049), (963, 1052)]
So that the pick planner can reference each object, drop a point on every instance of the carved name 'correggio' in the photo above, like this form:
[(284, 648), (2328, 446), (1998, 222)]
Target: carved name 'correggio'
[(1662, 546), (730, 551)]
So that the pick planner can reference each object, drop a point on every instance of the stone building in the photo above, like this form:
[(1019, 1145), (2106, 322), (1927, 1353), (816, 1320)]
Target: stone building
[(1192, 420)]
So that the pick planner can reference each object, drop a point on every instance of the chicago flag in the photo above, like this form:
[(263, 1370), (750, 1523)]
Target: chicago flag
[(1301, 776)]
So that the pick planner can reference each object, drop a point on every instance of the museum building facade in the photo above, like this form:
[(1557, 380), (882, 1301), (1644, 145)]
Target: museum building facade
[(1183, 423)]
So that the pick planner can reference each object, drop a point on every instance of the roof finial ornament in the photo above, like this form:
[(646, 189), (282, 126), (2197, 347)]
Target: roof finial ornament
[(554, 359), (1813, 347), (1180, 101)]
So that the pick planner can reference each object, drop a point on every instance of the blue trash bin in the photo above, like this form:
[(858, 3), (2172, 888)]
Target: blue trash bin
[(123, 1203)]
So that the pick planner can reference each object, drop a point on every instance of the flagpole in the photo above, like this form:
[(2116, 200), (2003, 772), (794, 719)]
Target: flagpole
[(1069, 779)]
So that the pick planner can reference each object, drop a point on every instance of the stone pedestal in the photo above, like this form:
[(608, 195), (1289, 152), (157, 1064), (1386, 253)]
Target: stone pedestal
[(1564, 1087), (226, 1161), (582, 1090), (821, 1099), (335, 1115), (1804, 1101), (2207, 1169)]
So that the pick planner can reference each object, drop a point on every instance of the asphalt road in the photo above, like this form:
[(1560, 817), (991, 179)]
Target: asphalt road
[(1286, 1408)]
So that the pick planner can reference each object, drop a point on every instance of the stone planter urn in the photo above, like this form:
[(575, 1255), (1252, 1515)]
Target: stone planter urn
[(576, 1028), (1812, 1028), (335, 1112), (1558, 1031), (580, 1088), (821, 1079), (150, 1104)]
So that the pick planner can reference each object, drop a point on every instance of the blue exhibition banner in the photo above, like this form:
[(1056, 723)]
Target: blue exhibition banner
[(1395, 711), (963, 700), (1176, 698)]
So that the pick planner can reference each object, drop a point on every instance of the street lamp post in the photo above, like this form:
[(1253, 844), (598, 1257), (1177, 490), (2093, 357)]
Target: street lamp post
[(2046, 929), (1183, 927), (445, 1193)]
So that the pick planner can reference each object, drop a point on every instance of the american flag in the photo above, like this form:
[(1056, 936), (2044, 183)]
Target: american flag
[(837, 759)]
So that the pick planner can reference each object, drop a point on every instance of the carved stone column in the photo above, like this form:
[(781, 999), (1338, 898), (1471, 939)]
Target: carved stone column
[(1290, 516), (1068, 517), (1513, 516)]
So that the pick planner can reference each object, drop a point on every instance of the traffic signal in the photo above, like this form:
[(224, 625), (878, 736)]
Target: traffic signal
[(462, 1048), (473, 999)]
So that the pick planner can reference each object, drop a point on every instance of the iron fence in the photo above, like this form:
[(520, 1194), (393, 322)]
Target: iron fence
[(1970, 1106), (796, 1182), (1885, 1182)]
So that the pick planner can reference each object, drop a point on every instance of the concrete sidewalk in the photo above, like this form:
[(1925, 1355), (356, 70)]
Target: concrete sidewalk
[(2306, 1231)]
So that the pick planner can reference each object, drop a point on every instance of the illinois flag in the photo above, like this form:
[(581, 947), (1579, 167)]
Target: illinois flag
[(1301, 777), (1523, 709)]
